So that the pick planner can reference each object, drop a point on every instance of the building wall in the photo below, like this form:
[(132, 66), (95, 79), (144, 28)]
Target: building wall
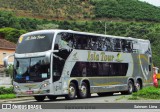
[(6, 52)]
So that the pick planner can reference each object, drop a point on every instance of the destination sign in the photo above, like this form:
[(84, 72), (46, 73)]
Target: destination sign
[(35, 37)]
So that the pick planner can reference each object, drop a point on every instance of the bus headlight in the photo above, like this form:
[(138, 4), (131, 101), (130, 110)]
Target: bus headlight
[(44, 85), (16, 87)]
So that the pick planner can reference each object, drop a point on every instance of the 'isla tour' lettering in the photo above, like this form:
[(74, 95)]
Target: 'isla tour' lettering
[(102, 57)]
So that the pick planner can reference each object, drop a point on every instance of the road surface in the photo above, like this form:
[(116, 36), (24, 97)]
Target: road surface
[(117, 97), (95, 99)]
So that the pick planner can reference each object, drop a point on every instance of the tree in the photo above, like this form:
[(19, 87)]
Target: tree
[(11, 34), (47, 26)]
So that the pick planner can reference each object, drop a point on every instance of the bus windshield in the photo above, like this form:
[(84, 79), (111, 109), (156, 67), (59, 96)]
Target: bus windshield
[(31, 43), (31, 70)]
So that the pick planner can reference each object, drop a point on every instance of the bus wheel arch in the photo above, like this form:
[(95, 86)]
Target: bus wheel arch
[(72, 90), (84, 90)]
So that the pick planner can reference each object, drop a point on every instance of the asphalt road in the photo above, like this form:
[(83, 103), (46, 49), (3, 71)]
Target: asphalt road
[(95, 99), (116, 98)]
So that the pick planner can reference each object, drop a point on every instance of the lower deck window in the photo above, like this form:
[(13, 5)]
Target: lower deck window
[(98, 69)]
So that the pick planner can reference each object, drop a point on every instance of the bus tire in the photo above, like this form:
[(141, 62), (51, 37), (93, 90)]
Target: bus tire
[(72, 92), (130, 88), (83, 91), (39, 98), (51, 97), (138, 86)]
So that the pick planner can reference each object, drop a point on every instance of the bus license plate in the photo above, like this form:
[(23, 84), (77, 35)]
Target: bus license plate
[(29, 92)]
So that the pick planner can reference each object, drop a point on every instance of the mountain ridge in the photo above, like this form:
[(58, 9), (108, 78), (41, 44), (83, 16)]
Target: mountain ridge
[(133, 10)]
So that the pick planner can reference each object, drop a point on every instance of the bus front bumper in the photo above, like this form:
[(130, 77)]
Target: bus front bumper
[(32, 92)]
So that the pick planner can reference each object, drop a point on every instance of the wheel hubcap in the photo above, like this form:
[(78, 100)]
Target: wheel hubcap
[(83, 90), (138, 86), (72, 91), (130, 88)]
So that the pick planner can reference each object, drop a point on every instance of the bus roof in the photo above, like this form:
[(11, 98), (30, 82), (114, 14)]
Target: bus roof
[(78, 32)]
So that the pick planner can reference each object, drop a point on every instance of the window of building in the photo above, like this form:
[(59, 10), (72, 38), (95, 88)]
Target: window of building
[(4, 54)]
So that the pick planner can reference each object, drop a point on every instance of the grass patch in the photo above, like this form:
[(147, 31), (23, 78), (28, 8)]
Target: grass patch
[(133, 98), (120, 98), (7, 96), (147, 93)]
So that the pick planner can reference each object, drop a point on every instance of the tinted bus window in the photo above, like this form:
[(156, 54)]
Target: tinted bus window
[(35, 43), (98, 69)]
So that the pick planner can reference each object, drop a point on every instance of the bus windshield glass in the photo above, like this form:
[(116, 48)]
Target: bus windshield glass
[(31, 43), (31, 70)]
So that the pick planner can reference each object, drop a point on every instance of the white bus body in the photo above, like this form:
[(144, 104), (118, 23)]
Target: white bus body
[(70, 63)]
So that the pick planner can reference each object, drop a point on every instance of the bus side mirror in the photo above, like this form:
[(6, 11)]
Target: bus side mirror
[(5, 60), (48, 55)]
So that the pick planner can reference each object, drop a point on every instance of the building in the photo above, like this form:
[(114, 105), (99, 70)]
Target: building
[(6, 48)]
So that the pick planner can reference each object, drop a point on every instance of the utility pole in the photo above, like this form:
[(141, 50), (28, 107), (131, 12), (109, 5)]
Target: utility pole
[(105, 26)]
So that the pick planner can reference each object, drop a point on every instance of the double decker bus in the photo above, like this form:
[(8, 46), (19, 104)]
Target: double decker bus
[(52, 63)]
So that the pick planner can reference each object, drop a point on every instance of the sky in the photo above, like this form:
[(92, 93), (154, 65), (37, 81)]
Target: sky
[(153, 2)]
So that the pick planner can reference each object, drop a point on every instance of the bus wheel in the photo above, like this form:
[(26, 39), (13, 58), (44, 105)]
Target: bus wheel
[(51, 97), (39, 98), (130, 88), (84, 91), (138, 86), (72, 92)]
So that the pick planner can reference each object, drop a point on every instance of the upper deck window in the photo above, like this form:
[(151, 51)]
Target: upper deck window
[(83, 42), (70, 41), (31, 43)]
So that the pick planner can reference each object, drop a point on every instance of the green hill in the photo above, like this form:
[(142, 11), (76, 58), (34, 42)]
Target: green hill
[(83, 9), (50, 9), (126, 9)]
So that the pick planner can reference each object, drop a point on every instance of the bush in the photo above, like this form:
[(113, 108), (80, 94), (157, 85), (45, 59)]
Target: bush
[(4, 90), (148, 92), (11, 34)]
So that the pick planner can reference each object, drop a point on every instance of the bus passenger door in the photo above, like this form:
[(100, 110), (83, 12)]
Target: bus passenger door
[(56, 73)]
